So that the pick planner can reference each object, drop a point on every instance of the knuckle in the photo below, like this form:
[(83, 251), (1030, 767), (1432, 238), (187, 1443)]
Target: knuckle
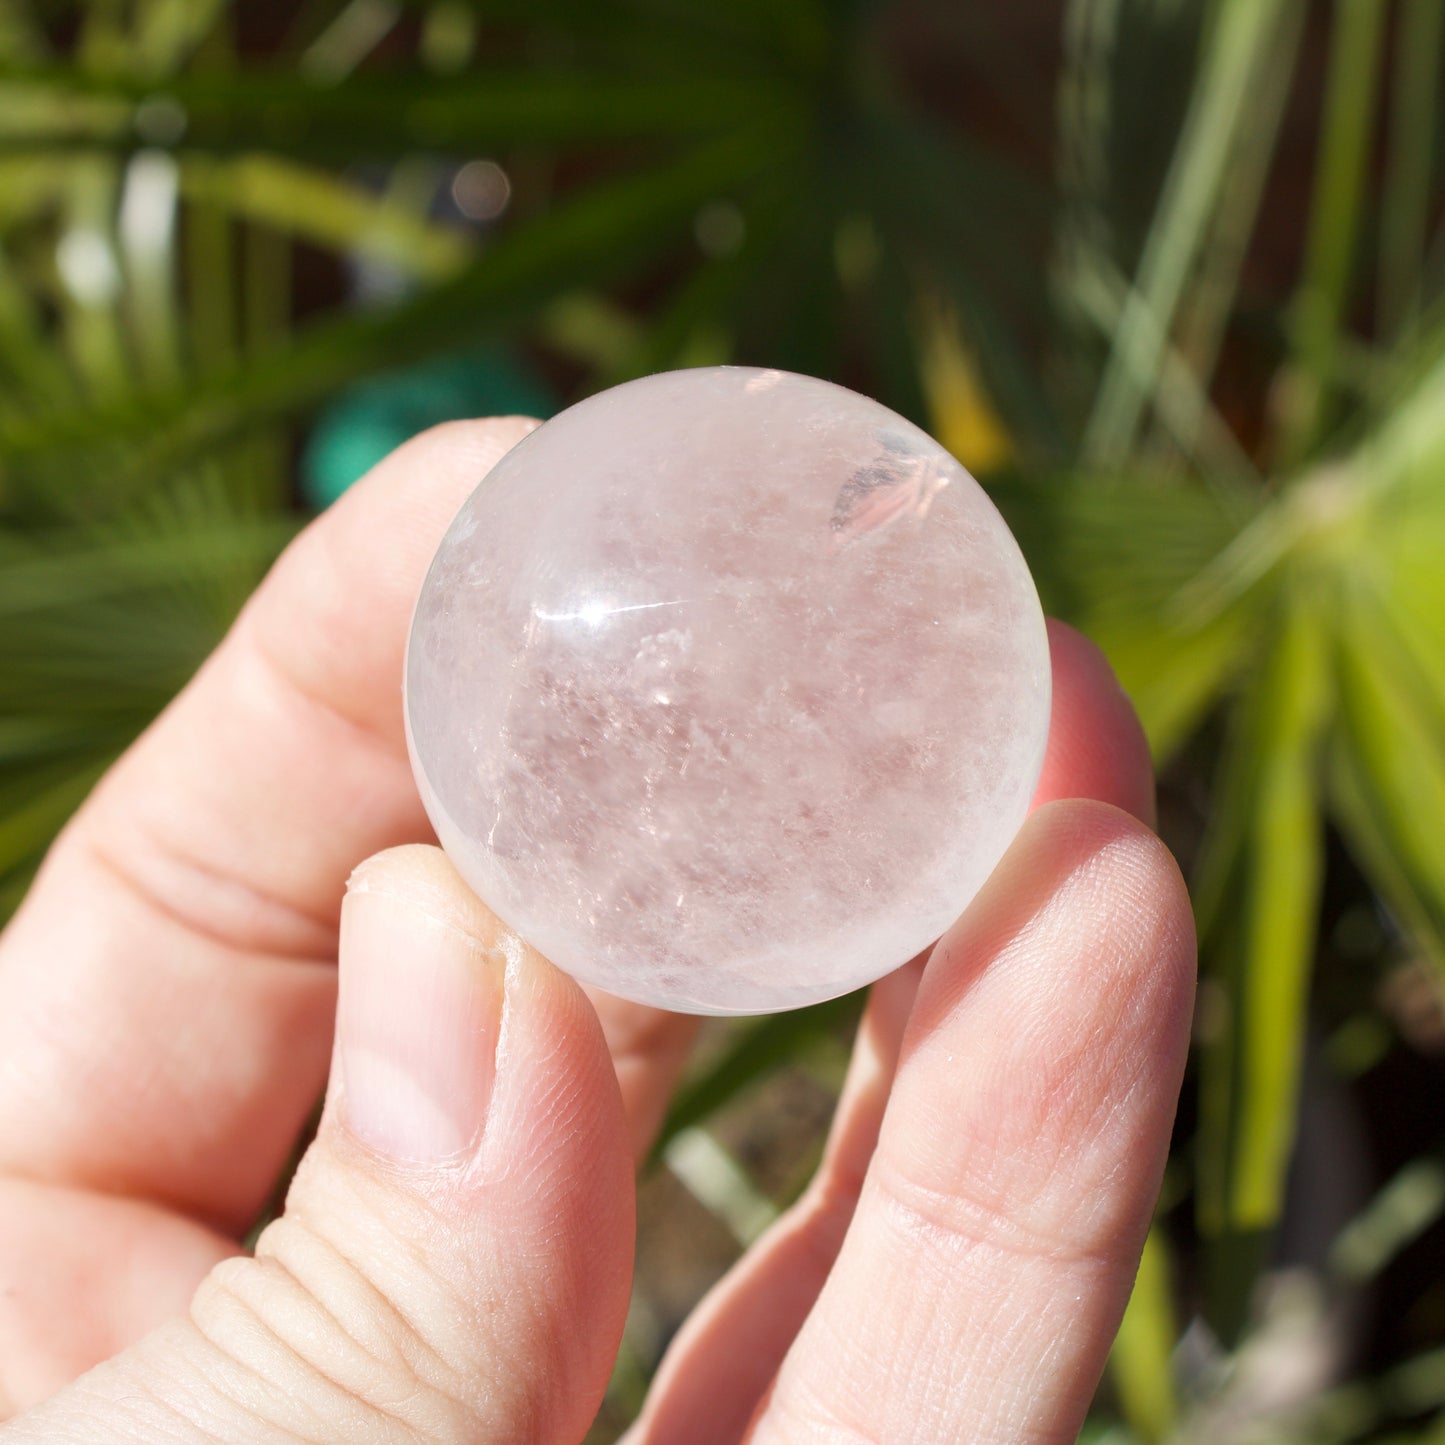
[(170, 878), (802, 1412), (956, 1222), (300, 1336)]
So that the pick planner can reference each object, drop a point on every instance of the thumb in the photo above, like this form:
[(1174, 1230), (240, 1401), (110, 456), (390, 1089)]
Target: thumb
[(455, 1256)]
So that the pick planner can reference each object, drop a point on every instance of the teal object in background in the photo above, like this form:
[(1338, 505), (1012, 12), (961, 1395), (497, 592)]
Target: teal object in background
[(374, 417)]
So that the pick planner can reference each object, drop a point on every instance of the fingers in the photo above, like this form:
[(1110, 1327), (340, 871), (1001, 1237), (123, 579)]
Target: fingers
[(168, 985), (1097, 748), (999, 1228), (726, 1355), (454, 1260)]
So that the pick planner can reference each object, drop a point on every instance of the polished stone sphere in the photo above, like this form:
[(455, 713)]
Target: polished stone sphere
[(727, 689)]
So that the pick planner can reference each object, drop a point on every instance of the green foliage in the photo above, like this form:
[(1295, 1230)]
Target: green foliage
[(695, 182)]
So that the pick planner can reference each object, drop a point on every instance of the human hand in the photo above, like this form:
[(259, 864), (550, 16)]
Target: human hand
[(454, 1258)]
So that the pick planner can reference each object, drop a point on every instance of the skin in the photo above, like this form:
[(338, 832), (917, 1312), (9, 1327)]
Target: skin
[(956, 1270)]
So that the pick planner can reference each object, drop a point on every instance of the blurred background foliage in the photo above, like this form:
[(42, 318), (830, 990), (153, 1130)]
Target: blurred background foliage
[(1168, 274)]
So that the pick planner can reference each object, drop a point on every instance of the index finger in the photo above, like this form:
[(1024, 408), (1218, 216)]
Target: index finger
[(169, 982)]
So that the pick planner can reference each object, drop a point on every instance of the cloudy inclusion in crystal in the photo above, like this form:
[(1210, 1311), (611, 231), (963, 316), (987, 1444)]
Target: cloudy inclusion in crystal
[(727, 689)]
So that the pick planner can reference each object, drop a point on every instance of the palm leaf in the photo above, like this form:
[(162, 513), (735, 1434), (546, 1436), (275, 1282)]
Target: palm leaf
[(614, 226), (1240, 35), (1140, 1363), (1334, 226), (1390, 767), (1257, 892), (381, 114), (1114, 555), (1405, 204)]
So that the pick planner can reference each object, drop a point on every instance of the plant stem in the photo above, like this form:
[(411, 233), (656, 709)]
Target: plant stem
[(1334, 225), (1405, 204)]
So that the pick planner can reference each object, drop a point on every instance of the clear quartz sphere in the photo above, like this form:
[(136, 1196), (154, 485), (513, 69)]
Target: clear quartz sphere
[(727, 689)]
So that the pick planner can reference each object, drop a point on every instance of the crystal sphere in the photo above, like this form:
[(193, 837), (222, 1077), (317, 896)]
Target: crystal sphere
[(726, 689)]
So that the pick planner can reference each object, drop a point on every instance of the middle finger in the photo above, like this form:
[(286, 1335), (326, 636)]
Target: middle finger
[(730, 1348)]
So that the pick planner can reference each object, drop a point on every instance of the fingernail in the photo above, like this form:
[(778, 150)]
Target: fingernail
[(418, 1018)]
